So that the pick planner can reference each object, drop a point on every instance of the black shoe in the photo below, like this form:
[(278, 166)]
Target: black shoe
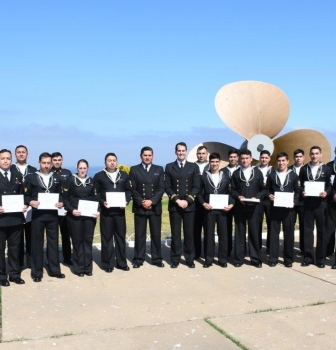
[(79, 274), (4, 282), (206, 265), (57, 275), (37, 279), (333, 267), (320, 265), (191, 265), (88, 273), (272, 264), (257, 265), (136, 266), (222, 264), (17, 280), (68, 262), (125, 268), (237, 265), (174, 265), (108, 270), (305, 264), (288, 265), (159, 264)]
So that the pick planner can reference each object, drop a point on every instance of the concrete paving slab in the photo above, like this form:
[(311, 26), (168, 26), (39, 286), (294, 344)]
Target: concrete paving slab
[(310, 327), (183, 335)]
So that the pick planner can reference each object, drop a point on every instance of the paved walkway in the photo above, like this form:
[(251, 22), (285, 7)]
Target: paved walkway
[(153, 308)]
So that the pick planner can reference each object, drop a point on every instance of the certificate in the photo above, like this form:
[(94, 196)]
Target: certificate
[(219, 201), (48, 200), (313, 188), (116, 199), (252, 200), (87, 208), (13, 203), (284, 199)]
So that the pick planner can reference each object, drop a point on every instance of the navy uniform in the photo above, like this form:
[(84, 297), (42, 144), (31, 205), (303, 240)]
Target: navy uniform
[(182, 183), (214, 216), (43, 220), (81, 227), (10, 228), (147, 183), (26, 231), (64, 175), (298, 208), (331, 212), (315, 208), (199, 220), (112, 220), (249, 212), (284, 216)]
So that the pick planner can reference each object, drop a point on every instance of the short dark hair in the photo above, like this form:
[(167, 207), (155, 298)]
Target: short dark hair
[(56, 154), (146, 148), (214, 155), (282, 154), (199, 148), (297, 151), (4, 150), (245, 151), (44, 155), (21, 146), (110, 154), (232, 151), (315, 147), (181, 144), (82, 161), (265, 152)]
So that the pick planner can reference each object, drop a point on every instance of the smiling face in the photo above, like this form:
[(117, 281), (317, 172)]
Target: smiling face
[(21, 155), (181, 152), (282, 164), (245, 160), (264, 160), (315, 156), (233, 160), (214, 165)]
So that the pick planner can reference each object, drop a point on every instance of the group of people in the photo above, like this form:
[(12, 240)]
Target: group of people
[(202, 198)]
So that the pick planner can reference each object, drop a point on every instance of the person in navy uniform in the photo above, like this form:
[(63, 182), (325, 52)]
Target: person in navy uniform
[(282, 180), (21, 154), (315, 208), (10, 223), (81, 187), (202, 155), (182, 182), (44, 181), (112, 220), (247, 183), (64, 175), (229, 169), (333, 214), (331, 210), (147, 190), (298, 207), (215, 182)]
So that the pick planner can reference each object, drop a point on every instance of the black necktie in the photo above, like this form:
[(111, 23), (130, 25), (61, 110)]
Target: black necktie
[(6, 177), (181, 165), (146, 167)]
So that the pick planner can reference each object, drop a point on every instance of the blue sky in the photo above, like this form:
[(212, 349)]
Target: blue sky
[(86, 78)]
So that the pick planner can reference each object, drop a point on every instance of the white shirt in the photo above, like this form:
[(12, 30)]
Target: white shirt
[(247, 172), (202, 166), (215, 179), (8, 173)]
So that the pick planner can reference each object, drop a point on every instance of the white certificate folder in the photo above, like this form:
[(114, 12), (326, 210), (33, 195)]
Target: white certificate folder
[(219, 201), (13, 203), (313, 188), (284, 199), (116, 199), (87, 208), (48, 200)]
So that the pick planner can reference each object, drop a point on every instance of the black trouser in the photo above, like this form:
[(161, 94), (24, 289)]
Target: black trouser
[(11, 234), (210, 222), (331, 228), (25, 237), (299, 213), (66, 242), (332, 214), (320, 215), (38, 227), (198, 228), (230, 217), (81, 230), (140, 228), (176, 219), (113, 228), (286, 217), (266, 209), (252, 215)]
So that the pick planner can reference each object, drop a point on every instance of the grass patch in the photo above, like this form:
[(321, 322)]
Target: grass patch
[(227, 335), (66, 334)]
